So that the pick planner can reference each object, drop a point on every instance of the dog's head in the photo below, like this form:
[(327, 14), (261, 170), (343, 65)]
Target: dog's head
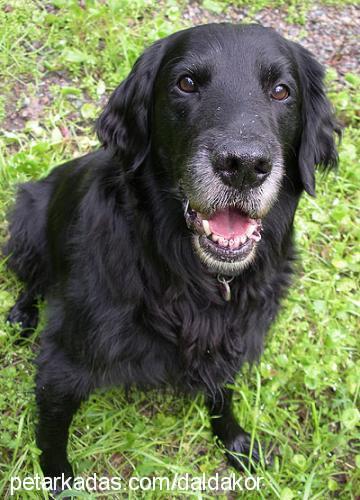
[(226, 113)]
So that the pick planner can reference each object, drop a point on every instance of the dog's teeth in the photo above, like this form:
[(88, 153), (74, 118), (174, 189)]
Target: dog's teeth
[(223, 242), (215, 237), (256, 236), (243, 239), (206, 227), (231, 243), (250, 230), (237, 242)]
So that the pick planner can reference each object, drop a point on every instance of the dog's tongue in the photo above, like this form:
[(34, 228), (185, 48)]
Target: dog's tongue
[(230, 223)]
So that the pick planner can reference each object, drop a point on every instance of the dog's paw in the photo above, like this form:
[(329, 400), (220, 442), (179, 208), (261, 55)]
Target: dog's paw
[(61, 476), (238, 451), (26, 318)]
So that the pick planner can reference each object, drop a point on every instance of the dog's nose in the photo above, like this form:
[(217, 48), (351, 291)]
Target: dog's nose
[(244, 166)]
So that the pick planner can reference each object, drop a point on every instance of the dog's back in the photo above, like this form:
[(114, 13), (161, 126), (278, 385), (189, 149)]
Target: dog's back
[(27, 249)]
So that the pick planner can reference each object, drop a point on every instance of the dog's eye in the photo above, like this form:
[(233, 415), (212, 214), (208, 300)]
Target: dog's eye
[(280, 93), (187, 84)]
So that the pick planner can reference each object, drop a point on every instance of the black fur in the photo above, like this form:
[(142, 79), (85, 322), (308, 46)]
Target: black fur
[(104, 238)]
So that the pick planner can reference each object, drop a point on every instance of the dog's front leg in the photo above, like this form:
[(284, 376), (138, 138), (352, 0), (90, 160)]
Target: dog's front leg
[(57, 400), (225, 427)]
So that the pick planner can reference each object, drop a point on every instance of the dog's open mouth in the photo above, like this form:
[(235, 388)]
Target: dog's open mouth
[(227, 235)]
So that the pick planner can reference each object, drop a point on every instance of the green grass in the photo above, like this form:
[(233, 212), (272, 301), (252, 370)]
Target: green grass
[(303, 398)]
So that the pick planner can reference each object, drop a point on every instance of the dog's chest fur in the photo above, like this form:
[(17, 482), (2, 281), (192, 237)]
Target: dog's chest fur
[(178, 341)]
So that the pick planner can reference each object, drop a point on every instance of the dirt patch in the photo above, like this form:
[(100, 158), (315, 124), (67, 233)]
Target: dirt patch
[(20, 107)]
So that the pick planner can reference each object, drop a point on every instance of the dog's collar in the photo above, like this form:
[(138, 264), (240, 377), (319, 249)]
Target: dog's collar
[(225, 289)]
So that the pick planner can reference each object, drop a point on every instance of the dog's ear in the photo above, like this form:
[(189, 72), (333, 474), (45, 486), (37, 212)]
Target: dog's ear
[(318, 146), (124, 124)]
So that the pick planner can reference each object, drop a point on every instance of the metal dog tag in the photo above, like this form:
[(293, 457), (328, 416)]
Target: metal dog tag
[(225, 287)]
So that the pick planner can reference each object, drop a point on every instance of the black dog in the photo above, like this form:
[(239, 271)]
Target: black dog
[(163, 256)]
